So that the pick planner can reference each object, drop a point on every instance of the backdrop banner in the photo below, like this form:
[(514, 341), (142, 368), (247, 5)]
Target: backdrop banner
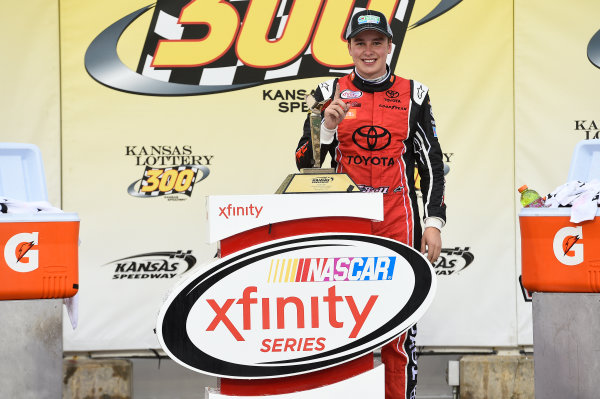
[(158, 112), (30, 82), (557, 78)]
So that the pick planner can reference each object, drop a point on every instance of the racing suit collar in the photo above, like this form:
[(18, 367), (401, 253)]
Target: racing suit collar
[(371, 86)]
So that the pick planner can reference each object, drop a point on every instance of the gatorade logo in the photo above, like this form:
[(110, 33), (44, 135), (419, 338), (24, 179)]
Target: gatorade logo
[(19, 253), (210, 46), (567, 245)]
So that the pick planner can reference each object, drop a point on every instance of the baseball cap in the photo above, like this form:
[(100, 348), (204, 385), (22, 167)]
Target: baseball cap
[(368, 20)]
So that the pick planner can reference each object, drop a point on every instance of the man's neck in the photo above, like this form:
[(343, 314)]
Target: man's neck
[(384, 82), (376, 80)]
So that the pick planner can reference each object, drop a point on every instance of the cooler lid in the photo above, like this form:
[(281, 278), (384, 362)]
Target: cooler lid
[(585, 164), (22, 172)]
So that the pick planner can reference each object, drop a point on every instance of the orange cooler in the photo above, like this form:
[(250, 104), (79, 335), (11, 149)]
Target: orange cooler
[(39, 257), (557, 255)]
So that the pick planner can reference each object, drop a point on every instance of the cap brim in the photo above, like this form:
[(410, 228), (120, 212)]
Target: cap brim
[(364, 28)]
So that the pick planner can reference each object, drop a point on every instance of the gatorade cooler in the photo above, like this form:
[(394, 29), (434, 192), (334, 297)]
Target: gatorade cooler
[(39, 251), (557, 255)]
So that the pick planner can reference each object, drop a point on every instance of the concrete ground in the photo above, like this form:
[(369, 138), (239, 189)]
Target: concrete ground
[(507, 374), (170, 380)]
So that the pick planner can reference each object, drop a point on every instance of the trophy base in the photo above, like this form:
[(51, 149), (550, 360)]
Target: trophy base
[(317, 180)]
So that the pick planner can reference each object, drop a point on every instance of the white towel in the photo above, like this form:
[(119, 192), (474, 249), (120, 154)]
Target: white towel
[(9, 205), (584, 207), (582, 197)]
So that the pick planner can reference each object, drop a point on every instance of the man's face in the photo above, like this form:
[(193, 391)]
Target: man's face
[(369, 50)]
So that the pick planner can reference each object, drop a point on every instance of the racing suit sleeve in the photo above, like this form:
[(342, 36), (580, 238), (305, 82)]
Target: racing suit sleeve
[(304, 156), (430, 164)]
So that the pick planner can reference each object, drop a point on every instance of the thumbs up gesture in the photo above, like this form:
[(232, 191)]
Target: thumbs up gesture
[(336, 111)]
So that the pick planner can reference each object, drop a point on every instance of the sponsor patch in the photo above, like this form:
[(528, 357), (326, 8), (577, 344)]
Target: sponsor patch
[(352, 113), (350, 94), (368, 19)]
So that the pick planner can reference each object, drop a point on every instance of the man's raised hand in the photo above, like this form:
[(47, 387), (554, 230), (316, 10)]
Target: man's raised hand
[(336, 111)]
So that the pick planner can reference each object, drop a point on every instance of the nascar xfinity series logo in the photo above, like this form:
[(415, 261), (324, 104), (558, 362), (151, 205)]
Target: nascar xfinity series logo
[(331, 269), (152, 265), (210, 46), (295, 305), (169, 170)]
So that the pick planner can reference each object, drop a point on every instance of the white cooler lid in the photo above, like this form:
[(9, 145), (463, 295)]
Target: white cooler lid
[(38, 217), (22, 172)]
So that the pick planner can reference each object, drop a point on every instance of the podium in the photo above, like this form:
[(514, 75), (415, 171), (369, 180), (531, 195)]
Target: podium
[(299, 298), (238, 222), (286, 216)]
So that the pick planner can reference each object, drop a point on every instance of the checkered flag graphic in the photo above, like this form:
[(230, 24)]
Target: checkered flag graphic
[(228, 69), (157, 192)]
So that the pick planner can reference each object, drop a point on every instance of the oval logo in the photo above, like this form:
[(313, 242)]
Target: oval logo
[(295, 305), (372, 138), (392, 94), (349, 94)]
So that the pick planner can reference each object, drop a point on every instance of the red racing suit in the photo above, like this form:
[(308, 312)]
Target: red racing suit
[(388, 130)]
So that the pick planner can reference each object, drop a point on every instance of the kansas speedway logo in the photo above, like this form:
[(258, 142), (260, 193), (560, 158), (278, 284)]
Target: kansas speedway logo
[(210, 46), (453, 261), (152, 265)]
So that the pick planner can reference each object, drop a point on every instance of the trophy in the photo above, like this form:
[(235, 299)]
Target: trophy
[(316, 179)]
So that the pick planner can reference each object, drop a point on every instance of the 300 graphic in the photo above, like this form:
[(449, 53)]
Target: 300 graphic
[(168, 180), (244, 43)]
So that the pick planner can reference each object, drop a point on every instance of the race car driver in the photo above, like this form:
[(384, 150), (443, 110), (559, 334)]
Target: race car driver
[(377, 127)]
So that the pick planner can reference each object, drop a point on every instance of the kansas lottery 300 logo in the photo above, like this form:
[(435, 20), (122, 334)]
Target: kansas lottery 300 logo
[(170, 171), (210, 46)]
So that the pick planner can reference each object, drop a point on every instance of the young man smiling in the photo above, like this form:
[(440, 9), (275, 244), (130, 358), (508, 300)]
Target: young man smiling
[(377, 127)]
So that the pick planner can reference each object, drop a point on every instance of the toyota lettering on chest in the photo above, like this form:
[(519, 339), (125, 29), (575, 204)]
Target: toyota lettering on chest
[(372, 138)]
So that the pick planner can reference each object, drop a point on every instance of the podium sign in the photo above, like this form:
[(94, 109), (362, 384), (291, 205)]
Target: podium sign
[(233, 215), (295, 305)]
